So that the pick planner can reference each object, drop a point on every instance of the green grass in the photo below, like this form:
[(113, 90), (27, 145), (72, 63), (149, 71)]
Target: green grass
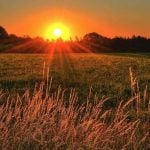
[(51, 117), (108, 74)]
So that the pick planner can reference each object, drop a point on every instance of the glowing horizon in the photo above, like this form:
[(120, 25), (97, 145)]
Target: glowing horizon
[(57, 30), (109, 18)]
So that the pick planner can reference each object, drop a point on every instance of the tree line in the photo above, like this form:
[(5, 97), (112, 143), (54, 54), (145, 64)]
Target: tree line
[(91, 42)]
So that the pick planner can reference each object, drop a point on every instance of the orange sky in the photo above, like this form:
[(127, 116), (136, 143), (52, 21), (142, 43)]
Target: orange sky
[(107, 17), (37, 23)]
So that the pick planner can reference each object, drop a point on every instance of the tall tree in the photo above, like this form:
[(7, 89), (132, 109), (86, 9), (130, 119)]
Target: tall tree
[(3, 33)]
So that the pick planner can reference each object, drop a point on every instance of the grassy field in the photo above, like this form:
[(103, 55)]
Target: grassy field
[(107, 74), (53, 115)]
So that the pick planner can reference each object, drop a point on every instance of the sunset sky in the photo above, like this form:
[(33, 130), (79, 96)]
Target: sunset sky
[(107, 17)]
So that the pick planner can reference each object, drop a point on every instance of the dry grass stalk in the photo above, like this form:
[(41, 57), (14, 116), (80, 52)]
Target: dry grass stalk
[(43, 120)]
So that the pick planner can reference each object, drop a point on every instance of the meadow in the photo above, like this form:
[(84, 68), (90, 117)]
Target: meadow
[(74, 101), (107, 74)]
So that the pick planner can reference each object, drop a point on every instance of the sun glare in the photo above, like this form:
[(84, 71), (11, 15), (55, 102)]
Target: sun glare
[(56, 31)]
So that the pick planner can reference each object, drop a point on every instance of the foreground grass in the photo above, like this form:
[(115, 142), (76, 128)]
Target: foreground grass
[(43, 119)]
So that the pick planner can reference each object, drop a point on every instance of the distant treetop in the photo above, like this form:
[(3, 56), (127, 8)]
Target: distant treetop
[(3, 33)]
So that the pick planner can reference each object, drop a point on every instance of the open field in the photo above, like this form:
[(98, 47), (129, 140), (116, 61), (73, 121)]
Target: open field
[(47, 116), (108, 74)]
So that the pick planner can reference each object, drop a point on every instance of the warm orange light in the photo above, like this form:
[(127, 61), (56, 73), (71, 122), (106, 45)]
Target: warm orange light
[(57, 30)]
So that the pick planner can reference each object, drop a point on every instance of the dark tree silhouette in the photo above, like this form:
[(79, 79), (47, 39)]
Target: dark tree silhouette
[(91, 42), (96, 42), (3, 33), (92, 36)]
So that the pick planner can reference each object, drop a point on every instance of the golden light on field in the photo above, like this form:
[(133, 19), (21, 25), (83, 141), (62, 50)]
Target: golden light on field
[(56, 31)]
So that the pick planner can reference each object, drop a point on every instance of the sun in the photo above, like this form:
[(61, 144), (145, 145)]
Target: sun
[(56, 31)]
